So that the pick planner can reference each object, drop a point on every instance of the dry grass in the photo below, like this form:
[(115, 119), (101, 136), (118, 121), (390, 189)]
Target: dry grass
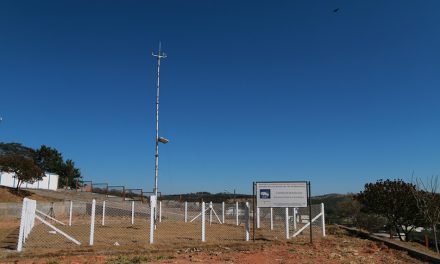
[(9, 195)]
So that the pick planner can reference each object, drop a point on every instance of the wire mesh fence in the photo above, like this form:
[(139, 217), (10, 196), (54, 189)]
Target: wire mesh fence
[(74, 225), (288, 223)]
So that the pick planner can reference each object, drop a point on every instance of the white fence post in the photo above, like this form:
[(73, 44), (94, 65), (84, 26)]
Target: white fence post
[(160, 211), (258, 217), (92, 223), (152, 210), (186, 212), (247, 221), (287, 223), (210, 213), (236, 212), (294, 218), (22, 225), (151, 224), (203, 221), (103, 213), (223, 212), (70, 213), (323, 219), (132, 212), (271, 218)]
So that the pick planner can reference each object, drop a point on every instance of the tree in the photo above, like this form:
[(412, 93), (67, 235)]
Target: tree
[(49, 159), (8, 149), (428, 202), (69, 174), (24, 168), (392, 200)]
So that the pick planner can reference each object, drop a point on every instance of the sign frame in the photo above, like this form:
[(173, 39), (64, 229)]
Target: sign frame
[(267, 193), (309, 203)]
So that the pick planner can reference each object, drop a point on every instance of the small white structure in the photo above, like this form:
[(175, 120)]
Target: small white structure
[(49, 181)]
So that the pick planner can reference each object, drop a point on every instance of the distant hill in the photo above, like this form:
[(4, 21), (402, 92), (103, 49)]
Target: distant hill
[(331, 201), (336, 206), (208, 197)]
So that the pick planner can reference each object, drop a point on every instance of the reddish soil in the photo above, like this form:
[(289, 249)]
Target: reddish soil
[(336, 248)]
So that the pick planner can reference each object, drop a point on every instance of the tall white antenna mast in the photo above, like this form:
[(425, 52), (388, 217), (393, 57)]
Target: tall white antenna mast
[(159, 56)]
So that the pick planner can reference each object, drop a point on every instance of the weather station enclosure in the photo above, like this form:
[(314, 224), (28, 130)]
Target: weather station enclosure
[(281, 194)]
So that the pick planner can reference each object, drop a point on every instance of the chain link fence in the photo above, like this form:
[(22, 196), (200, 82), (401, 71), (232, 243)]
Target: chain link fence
[(289, 223), (78, 225)]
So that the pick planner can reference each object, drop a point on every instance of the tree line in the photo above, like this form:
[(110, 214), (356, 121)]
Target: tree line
[(30, 165), (395, 205)]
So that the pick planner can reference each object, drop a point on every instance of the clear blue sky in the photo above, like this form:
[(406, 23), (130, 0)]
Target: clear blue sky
[(273, 90)]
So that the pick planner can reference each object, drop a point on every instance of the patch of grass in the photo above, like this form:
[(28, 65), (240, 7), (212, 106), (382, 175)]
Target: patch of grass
[(160, 257), (52, 261), (128, 260), (336, 231)]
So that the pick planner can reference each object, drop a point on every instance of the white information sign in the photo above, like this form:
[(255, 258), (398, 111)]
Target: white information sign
[(281, 194)]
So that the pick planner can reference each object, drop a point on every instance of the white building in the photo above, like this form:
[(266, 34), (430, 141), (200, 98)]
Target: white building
[(49, 181)]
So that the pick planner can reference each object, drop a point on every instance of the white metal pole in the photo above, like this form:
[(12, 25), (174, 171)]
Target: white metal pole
[(203, 221), (223, 212), (236, 212), (132, 212), (186, 212), (50, 217), (210, 213), (160, 211), (151, 223), (70, 213), (103, 212), (247, 221), (258, 217), (323, 219), (271, 218), (287, 223), (92, 223), (294, 218), (57, 230), (156, 167)]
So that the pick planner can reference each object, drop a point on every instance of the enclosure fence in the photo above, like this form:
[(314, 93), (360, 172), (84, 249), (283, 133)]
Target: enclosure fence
[(72, 225)]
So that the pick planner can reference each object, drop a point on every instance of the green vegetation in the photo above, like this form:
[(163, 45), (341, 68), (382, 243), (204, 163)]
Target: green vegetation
[(24, 168), (394, 200), (206, 196), (30, 164), (52, 261), (391, 206)]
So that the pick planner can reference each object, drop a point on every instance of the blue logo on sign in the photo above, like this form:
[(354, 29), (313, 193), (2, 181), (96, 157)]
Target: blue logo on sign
[(264, 193)]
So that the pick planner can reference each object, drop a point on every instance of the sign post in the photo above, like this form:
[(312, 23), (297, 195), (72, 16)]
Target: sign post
[(279, 194)]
